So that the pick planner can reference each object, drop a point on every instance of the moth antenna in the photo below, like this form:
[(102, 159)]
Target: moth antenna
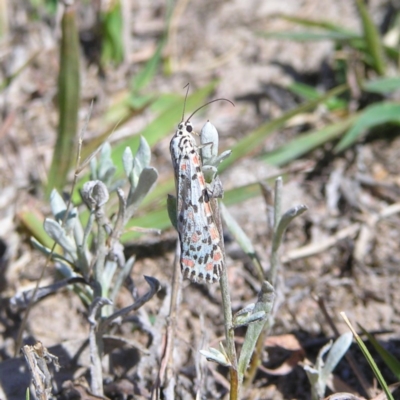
[(204, 105), (184, 103)]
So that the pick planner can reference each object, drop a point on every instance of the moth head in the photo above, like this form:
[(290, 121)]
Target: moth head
[(185, 127), (188, 127)]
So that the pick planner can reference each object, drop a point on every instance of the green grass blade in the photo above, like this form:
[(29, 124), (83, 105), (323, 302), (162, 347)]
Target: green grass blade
[(165, 124), (112, 40), (32, 221), (10, 78), (157, 219), (308, 92), (307, 142), (372, 39), (392, 362), (68, 99), (306, 36), (154, 206), (254, 140), (328, 31), (374, 115), (312, 23), (155, 214), (147, 73), (369, 358), (392, 52), (382, 85)]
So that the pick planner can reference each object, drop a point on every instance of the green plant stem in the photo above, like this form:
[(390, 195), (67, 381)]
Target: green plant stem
[(227, 310), (256, 360), (101, 256), (96, 337), (229, 335), (96, 346), (277, 216), (255, 330)]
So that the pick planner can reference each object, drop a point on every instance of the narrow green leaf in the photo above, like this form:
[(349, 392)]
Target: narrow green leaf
[(265, 302), (312, 23), (372, 39), (254, 140), (165, 123), (33, 222), (68, 99), (382, 85), (307, 142), (156, 219), (308, 92), (392, 362), (112, 40), (374, 115), (308, 36), (369, 358), (146, 74), (10, 78), (374, 367)]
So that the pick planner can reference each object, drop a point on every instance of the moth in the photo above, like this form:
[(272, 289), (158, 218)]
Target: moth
[(202, 258)]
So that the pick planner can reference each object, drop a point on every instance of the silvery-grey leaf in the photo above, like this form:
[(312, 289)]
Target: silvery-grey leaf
[(105, 165), (57, 233), (147, 179), (244, 320), (71, 220), (46, 251), (93, 169), (209, 135), (222, 157), (108, 174), (215, 355), (337, 351), (135, 174), (106, 280), (57, 204), (143, 154), (116, 185), (127, 161), (123, 273), (105, 152)]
